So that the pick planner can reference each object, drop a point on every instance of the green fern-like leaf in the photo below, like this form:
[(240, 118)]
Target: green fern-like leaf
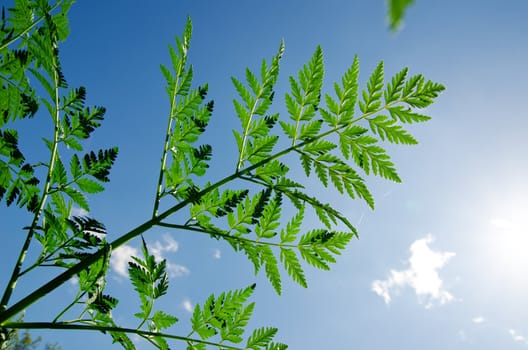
[(227, 316), (77, 197), (396, 11), (162, 320), (99, 164), (341, 112), (271, 267), (59, 175), (372, 96), (150, 280), (293, 266), (293, 227), (269, 221), (319, 246), (406, 115), (388, 129), (260, 338), (271, 171), (303, 102), (395, 87), (254, 142), (367, 154)]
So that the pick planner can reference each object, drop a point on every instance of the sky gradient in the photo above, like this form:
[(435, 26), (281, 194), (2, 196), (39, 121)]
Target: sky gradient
[(440, 264)]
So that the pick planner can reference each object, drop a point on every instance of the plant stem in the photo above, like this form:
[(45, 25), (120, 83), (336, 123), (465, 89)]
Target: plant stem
[(165, 150), (225, 235), (54, 154), (246, 128), (60, 325), (29, 27), (37, 294), (77, 298)]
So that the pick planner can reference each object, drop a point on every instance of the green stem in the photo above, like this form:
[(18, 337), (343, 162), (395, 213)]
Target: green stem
[(297, 122), (166, 145), (53, 325), (77, 298), (179, 71), (8, 81), (54, 153), (147, 316), (246, 128), (255, 180), (29, 27), (31, 298), (224, 235), (47, 258)]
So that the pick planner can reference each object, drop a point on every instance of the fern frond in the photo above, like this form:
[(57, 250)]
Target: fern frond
[(269, 221), (99, 164), (303, 102), (406, 115), (227, 316), (318, 247), (388, 129), (341, 112), (260, 338), (372, 96), (253, 143), (271, 267), (395, 87), (293, 266)]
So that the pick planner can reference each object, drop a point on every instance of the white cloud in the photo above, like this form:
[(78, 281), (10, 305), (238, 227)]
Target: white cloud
[(516, 336), (217, 254), (187, 305), (122, 255), (120, 258), (169, 245), (422, 275), (136, 339), (176, 270), (478, 320), (78, 212)]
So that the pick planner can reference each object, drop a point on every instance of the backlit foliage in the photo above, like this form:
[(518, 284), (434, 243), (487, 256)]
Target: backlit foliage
[(337, 135)]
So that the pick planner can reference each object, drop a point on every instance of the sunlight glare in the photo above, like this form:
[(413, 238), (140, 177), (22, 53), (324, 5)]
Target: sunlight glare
[(510, 238)]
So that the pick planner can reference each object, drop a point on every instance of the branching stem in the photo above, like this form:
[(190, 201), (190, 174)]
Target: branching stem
[(165, 150), (5, 315), (53, 157), (98, 328), (240, 161), (225, 235), (29, 27)]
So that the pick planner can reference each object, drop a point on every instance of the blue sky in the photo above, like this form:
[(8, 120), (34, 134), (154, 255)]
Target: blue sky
[(441, 263)]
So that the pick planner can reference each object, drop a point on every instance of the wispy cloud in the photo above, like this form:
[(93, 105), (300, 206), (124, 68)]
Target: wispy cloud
[(478, 320), (187, 305), (120, 258), (422, 275), (122, 255), (495, 327), (217, 254), (516, 336), (166, 245), (176, 270), (160, 249), (75, 211)]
